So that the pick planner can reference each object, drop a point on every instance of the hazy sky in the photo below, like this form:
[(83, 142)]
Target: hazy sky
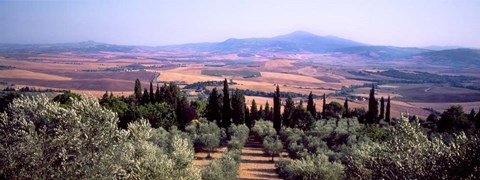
[(162, 22)]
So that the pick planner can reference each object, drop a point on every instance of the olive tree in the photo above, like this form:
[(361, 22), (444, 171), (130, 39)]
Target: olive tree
[(272, 146), (40, 139)]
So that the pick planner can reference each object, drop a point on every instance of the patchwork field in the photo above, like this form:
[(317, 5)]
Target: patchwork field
[(95, 73)]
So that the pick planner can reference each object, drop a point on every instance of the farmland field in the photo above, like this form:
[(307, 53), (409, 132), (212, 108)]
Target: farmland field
[(66, 71)]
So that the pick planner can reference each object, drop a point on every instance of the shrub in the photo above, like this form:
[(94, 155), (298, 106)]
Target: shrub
[(272, 146), (310, 167), (407, 153), (225, 167), (39, 139), (205, 135), (239, 132), (262, 129)]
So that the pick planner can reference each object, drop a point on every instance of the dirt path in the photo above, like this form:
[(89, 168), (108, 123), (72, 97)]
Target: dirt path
[(201, 157), (254, 164)]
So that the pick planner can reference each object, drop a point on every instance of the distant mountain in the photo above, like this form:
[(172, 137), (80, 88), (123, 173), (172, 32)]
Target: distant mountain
[(439, 48), (85, 47), (462, 57), (383, 52), (296, 42)]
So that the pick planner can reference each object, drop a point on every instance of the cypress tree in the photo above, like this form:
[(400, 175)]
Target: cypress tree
[(227, 108), (311, 105), (372, 114), (213, 109), (347, 110), (270, 114), (172, 94), (472, 114), (238, 107), (477, 119), (152, 97), (382, 108), (261, 113), (324, 112), (185, 113), (138, 90), (254, 111), (145, 96), (248, 117), (104, 97), (157, 95), (267, 111), (387, 112), (288, 111), (277, 121)]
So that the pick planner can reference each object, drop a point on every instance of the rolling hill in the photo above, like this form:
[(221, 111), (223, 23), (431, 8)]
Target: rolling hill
[(82, 47), (296, 42), (383, 52), (293, 43), (462, 57)]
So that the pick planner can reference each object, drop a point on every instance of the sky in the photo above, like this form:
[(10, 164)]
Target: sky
[(407, 23)]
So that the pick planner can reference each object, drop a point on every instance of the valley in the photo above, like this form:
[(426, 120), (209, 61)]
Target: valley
[(252, 64)]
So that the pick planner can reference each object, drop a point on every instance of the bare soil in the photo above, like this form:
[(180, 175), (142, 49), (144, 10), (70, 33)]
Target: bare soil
[(255, 164)]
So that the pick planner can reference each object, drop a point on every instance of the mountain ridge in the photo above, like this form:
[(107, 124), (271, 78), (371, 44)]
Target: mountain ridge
[(297, 42)]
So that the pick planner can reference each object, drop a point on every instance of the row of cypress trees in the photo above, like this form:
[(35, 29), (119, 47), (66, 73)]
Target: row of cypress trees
[(373, 114)]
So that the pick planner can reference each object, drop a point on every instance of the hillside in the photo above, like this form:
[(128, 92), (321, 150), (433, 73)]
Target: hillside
[(383, 52), (296, 42), (82, 47), (460, 58)]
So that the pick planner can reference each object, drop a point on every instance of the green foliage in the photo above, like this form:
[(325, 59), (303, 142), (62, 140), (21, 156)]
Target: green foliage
[(5, 100), (301, 118), (226, 106), (382, 108), (205, 135), (272, 146), (263, 129), (147, 154), (185, 113), (324, 113), (238, 135), (425, 77), (39, 139), (477, 120), (203, 84), (408, 153), (225, 167), (311, 105), (137, 91), (116, 105), (214, 107), (347, 110), (287, 112), (158, 114), (268, 113), (387, 111), (334, 110), (372, 113), (310, 167), (66, 99), (199, 107), (373, 132), (238, 107), (254, 114), (454, 120), (277, 119)]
